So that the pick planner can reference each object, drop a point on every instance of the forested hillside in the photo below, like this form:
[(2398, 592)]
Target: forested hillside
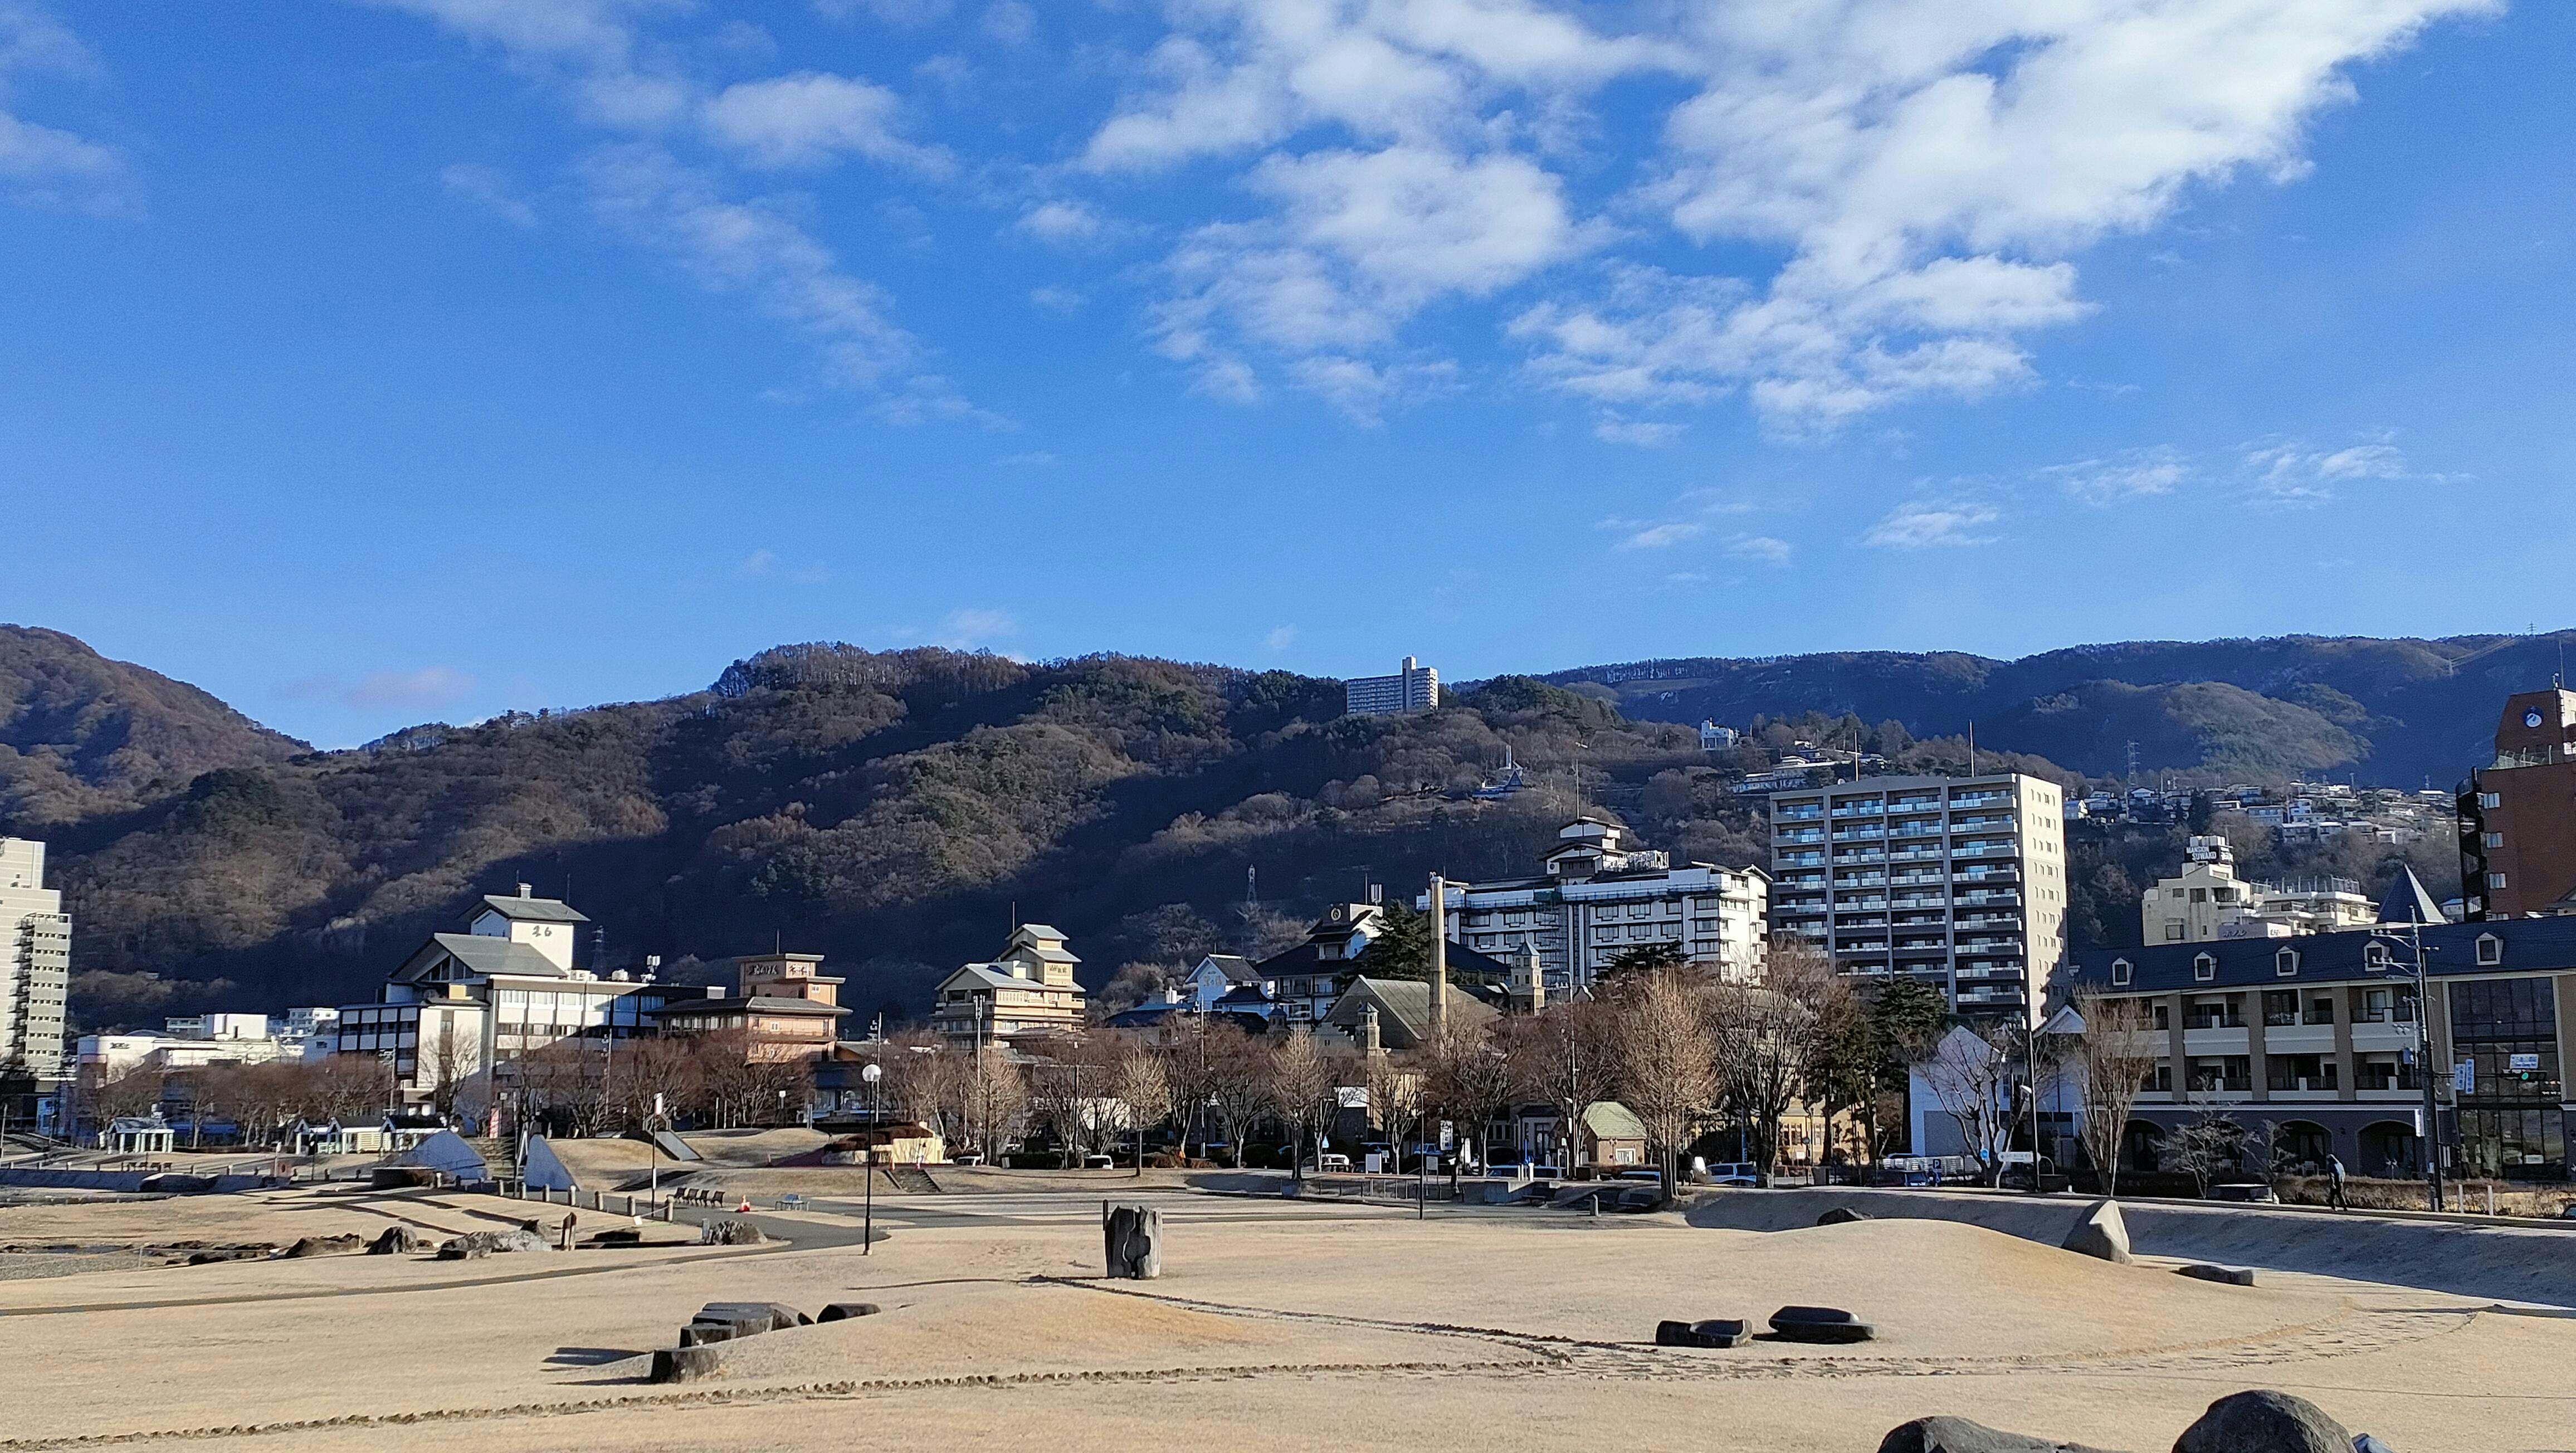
[(897, 810), (2393, 713)]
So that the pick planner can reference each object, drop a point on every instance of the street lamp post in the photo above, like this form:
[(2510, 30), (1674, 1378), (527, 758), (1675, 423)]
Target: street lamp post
[(871, 1072), (2411, 937)]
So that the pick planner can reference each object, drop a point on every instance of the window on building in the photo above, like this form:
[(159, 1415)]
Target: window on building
[(2494, 839), (2204, 968), (2164, 1016), (2490, 949), (2490, 799), (2119, 971), (2280, 1008), (2495, 880), (2173, 930), (2320, 1011), (2286, 962)]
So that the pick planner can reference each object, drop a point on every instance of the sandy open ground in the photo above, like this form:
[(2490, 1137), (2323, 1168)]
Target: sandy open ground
[(1277, 1325)]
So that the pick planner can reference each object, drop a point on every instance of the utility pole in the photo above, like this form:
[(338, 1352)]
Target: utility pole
[(1439, 958), (2412, 937)]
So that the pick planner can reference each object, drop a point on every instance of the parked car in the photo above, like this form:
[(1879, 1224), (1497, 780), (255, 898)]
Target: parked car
[(1655, 1176), (1735, 1173), (1097, 1161), (1331, 1162)]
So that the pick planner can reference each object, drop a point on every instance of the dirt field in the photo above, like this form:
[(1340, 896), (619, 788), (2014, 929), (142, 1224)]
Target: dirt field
[(1277, 1325)]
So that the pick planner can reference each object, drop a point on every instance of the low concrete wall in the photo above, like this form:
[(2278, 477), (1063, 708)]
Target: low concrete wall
[(2524, 1263), (113, 1180)]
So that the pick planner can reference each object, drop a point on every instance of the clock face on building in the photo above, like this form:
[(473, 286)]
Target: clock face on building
[(2531, 718)]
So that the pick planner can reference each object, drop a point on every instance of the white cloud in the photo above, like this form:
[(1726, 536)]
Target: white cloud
[(1060, 222), (1657, 537), (1762, 549), (973, 628), (487, 188), (809, 119), (2134, 474), (752, 250), (1063, 302), (1924, 525), (44, 166), (1012, 22), (1280, 638), (2288, 474), (426, 689), (1613, 429)]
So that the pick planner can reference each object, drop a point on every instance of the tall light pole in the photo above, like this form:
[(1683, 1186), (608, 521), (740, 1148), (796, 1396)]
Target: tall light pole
[(872, 1073), (2411, 937)]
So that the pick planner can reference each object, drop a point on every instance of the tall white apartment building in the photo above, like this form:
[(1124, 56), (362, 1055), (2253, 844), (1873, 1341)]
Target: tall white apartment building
[(35, 963), (1957, 881), (1596, 898), (1415, 688)]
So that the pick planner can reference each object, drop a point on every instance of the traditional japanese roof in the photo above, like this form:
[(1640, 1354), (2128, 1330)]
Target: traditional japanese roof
[(533, 910), (751, 1004), (481, 955)]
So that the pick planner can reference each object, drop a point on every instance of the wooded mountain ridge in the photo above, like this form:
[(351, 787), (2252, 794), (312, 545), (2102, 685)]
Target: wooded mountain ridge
[(898, 811)]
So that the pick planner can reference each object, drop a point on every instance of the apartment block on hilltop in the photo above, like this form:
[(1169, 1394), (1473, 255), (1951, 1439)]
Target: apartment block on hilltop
[(1595, 898), (1413, 688), (1959, 882), (2206, 902), (35, 965)]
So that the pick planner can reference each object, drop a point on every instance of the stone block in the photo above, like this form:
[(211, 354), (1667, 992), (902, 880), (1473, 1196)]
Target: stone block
[(1820, 1324), (842, 1311), (1714, 1332), (687, 1364), (396, 1240), (2235, 1276), (1132, 1238), (2101, 1233), (1841, 1215)]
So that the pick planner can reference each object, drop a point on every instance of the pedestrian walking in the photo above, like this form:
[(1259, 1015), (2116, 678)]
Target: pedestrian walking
[(2334, 1184)]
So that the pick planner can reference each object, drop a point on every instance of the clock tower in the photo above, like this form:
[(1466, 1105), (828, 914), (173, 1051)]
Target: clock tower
[(2518, 814)]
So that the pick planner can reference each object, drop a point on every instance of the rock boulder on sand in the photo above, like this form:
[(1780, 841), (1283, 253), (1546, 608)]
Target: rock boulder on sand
[(475, 1245), (2263, 1421), (1959, 1435), (730, 1233), (2101, 1233), (345, 1245), (396, 1240), (1841, 1216)]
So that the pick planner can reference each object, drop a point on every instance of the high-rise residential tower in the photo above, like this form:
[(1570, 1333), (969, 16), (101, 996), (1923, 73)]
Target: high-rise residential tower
[(35, 964), (1957, 881)]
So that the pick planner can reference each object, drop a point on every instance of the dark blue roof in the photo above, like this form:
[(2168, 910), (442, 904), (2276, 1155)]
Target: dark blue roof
[(1143, 1016), (2529, 945)]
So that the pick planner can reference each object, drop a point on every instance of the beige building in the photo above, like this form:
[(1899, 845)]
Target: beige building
[(1029, 991), (787, 1008), (2207, 902), (35, 964), (1957, 881)]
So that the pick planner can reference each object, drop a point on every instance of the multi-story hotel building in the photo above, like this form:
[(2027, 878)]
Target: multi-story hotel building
[(2310, 1043), (1414, 688), (2518, 816), (1957, 881), (1028, 992), (1595, 898), (35, 965)]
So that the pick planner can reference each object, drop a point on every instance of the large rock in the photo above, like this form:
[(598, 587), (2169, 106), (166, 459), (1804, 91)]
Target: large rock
[(842, 1311), (1820, 1324), (730, 1233), (1841, 1215), (1132, 1238), (396, 1240), (754, 1316), (2264, 1422), (1958, 1435), (2101, 1233), (475, 1245), (687, 1364), (2234, 1276), (344, 1245)]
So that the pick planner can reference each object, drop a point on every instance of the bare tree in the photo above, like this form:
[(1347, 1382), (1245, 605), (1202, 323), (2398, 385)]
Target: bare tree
[(2206, 1148), (1767, 1037), (1395, 1095), (1066, 1087), (996, 1095), (1563, 1057), (449, 1058), (1142, 1081), (1664, 1058), (1469, 1080), (1237, 1082), (2112, 1062), (1970, 1072), (647, 1069), (1303, 1092)]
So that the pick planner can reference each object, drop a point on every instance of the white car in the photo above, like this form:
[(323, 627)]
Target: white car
[(1332, 1161)]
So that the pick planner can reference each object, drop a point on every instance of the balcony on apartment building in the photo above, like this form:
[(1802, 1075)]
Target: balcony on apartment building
[(1978, 799), (1800, 835), (1860, 809), (1871, 832), (1915, 827), (2001, 897), (1982, 822), (1811, 858), (1804, 812)]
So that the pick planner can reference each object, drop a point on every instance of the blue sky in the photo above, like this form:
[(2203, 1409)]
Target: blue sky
[(368, 363)]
